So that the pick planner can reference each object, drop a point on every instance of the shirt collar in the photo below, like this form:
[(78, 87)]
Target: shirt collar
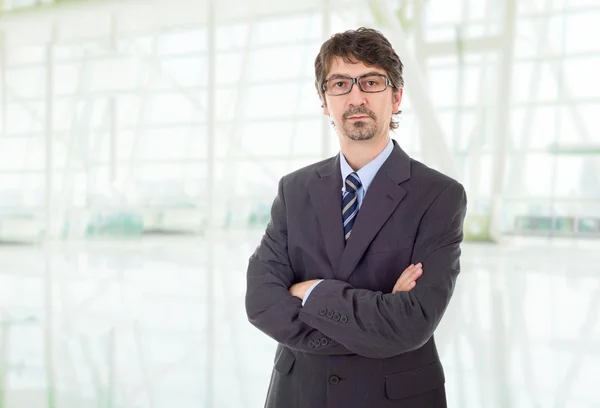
[(368, 172)]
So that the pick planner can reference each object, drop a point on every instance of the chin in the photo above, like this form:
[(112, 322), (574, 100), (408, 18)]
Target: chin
[(360, 133), (361, 137)]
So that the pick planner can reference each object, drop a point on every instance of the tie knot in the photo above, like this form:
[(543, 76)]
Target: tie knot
[(352, 183)]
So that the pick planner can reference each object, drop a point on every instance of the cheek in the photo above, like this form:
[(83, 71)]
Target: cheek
[(337, 112), (384, 108)]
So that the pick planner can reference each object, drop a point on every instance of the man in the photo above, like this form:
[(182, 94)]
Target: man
[(325, 281)]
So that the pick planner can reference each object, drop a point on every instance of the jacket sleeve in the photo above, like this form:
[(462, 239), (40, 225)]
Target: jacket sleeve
[(381, 325), (269, 305)]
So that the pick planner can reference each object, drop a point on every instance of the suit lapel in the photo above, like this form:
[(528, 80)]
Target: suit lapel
[(326, 197), (379, 203)]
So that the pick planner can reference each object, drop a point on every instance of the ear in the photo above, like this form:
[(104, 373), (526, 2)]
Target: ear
[(396, 99), (325, 108)]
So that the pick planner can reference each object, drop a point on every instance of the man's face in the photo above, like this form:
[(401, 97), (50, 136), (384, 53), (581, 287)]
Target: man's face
[(359, 115)]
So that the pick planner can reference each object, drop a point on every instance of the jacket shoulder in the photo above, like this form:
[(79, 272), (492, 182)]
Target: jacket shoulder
[(426, 176), (307, 173)]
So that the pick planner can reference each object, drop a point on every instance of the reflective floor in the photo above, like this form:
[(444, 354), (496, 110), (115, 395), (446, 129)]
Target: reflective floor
[(160, 323)]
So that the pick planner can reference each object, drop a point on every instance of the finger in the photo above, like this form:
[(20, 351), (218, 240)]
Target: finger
[(404, 273), (405, 280), (406, 277), (409, 286), (410, 269), (410, 273), (415, 277), (404, 288)]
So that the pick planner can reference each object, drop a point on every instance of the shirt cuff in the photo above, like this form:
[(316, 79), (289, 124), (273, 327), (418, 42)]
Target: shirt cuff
[(310, 290)]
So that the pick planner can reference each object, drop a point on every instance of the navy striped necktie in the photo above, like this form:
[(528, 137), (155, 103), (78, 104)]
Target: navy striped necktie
[(350, 203)]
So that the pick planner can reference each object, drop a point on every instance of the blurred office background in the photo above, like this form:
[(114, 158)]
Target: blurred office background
[(140, 147)]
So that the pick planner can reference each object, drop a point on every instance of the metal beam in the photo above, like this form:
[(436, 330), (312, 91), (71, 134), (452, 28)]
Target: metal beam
[(234, 136), (176, 13), (473, 45), (434, 147), (48, 127), (516, 181), (211, 136), (48, 293), (3, 85), (503, 123)]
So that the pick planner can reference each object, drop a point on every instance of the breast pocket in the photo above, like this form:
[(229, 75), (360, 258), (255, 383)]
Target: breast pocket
[(395, 235)]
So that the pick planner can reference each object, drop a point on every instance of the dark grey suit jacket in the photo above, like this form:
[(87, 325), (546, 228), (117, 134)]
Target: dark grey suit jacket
[(354, 343)]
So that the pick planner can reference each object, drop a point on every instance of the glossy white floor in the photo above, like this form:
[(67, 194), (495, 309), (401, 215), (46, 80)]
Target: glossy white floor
[(140, 324)]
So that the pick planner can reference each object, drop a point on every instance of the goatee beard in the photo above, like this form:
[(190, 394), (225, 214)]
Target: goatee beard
[(359, 129)]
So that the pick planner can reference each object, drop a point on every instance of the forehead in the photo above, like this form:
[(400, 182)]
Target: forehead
[(340, 67)]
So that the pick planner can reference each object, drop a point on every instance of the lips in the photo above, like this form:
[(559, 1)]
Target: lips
[(361, 113)]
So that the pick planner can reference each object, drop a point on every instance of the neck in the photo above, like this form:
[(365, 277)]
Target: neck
[(359, 153)]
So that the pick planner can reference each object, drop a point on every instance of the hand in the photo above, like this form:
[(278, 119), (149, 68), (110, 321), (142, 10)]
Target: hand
[(299, 289), (408, 279)]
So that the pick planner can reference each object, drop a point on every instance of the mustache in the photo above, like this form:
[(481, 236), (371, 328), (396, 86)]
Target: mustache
[(359, 110)]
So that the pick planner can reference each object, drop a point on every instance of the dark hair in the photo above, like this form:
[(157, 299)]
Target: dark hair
[(362, 45)]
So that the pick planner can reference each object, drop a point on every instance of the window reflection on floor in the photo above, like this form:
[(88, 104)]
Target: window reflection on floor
[(126, 324)]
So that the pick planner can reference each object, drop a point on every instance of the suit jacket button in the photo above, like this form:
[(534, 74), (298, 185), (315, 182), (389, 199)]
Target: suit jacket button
[(334, 379), (324, 341), (343, 319), (336, 317), (322, 311), (330, 313), (311, 344)]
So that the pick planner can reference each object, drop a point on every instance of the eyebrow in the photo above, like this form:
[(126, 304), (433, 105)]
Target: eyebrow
[(336, 76)]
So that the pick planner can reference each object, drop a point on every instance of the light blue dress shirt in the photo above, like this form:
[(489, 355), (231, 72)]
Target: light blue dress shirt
[(366, 176)]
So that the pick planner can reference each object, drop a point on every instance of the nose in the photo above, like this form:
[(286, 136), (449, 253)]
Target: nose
[(356, 97)]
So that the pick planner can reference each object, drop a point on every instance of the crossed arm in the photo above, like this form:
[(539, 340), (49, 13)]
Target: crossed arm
[(405, 282), (378, 324)]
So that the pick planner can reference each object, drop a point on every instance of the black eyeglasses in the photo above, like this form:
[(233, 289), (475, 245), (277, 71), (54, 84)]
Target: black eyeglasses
[(370, 83)]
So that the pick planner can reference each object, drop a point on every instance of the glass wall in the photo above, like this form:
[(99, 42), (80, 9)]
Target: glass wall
[(141, 183)]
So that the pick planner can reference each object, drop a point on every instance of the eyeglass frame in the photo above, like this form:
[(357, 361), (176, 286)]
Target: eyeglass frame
[(355, 81)]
